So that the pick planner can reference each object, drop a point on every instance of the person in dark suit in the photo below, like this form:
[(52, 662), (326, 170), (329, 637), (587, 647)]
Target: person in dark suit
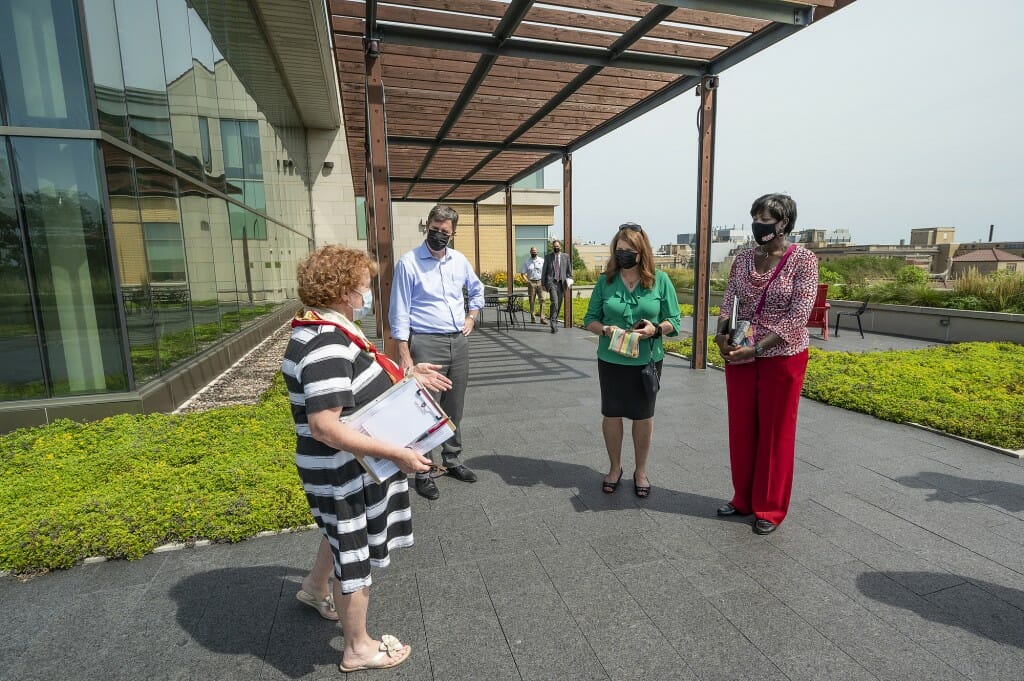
[(557, 278)]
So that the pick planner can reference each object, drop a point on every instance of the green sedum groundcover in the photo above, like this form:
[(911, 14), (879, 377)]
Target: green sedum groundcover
[(124, 485), (974, 390)]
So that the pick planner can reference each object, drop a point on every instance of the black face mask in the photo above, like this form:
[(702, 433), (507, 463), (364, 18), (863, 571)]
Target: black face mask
[(557, 249), (625, 259), (763, 232), (437, 240)]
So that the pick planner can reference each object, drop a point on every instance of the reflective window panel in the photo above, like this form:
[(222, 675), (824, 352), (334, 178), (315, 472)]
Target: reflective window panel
[(181, 86), (138, 29), (67, 236), (41, 64), (105, 56), (21, 371), (170, 297)]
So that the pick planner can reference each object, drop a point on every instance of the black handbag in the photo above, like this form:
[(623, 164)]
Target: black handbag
[(650, 376)]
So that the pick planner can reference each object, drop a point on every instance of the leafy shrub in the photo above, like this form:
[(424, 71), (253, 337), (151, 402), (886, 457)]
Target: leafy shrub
[(911, 275), (862, 269), (827, 275), (681, 279), (499, 279)]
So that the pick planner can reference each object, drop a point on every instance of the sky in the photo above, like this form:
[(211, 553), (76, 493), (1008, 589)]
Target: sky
[(886, 116)]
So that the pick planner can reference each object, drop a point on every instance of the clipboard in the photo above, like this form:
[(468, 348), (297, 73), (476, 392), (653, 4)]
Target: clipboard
[(406, 415)]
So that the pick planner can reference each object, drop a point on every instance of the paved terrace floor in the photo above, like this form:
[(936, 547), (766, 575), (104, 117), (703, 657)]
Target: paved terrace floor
[(902, 558)]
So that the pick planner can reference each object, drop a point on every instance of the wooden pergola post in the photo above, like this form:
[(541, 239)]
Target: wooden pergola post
[(476, 234), (708, 92), (508, 237), (567, 228), (378, 192)]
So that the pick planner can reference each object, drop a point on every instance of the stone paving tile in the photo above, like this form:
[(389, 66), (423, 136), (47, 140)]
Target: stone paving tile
[(900, 559), (711, 646), (789, 642)]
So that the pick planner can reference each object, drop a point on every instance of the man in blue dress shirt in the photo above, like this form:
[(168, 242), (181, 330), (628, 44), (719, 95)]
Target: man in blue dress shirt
[(429, 320)]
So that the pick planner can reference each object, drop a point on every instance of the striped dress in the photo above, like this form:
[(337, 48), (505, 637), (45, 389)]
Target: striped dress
[(361, 519)]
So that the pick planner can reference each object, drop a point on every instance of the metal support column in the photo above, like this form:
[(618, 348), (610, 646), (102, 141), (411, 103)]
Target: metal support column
[(567, 228), (379, 192), (708, 92), (476, 235), (508, 236)]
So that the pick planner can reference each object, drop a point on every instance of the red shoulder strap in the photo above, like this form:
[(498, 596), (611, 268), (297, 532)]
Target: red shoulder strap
[(310, 318)]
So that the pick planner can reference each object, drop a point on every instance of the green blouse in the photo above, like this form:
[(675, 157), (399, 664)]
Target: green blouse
[(613, 304)]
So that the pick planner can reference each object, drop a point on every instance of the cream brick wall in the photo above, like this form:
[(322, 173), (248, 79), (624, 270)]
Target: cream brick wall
[(334, 199)]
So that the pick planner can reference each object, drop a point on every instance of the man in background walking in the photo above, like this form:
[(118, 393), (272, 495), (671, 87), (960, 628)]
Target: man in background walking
[(557, 277), (533, 269)]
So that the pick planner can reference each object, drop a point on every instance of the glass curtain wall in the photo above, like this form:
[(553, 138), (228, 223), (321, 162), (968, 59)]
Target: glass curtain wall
[(21, 371), (65, 223), (152, 257), (41, 65)]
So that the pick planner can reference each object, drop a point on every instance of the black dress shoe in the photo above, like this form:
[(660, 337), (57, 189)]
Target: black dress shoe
[(728, 509), (426, 488), (764, 526), (462, 473)]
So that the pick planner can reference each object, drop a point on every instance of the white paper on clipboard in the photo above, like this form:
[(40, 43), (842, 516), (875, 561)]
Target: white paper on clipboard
[(405, 415)]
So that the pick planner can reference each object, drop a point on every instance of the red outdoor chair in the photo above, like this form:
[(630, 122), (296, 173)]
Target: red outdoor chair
[(819, 313)]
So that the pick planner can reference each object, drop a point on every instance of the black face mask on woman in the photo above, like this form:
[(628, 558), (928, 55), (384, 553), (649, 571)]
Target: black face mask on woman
[(764, 232), (625, 259), (437, 239)]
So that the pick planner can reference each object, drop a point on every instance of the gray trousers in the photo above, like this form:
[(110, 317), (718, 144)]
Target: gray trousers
[(557, 291), (451, 351)]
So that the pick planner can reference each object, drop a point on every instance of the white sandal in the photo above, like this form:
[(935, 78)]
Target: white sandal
[(324, 606)]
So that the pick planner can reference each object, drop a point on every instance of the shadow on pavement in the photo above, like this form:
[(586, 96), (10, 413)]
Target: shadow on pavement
[(525, 472), (221, 610), (978, 607), (1008, 496)]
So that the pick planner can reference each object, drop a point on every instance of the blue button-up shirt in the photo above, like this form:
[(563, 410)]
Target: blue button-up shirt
[(426, 295)]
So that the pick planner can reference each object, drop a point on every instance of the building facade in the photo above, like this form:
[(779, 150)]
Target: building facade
[(158, 168)]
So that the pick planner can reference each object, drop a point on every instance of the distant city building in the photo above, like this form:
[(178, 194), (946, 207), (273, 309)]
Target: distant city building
[(931, 248), (932, 236), (987, 261), (1014, 247), (734, 235), (594, 255), (823, 237)]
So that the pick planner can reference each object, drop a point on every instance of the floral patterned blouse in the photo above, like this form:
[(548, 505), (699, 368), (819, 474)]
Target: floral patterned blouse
[(787, 304)]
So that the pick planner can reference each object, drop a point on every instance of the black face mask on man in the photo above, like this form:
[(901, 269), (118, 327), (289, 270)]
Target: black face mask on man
[(764, 232), (437, 240), (625, 259)]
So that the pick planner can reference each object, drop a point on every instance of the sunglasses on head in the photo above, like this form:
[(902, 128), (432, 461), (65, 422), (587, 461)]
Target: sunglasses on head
[(632, 226)]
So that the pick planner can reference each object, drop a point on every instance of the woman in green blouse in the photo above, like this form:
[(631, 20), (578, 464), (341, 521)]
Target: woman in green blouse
[(631, 295)]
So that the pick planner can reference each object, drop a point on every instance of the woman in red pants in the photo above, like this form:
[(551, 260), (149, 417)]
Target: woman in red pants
[(775, 283)]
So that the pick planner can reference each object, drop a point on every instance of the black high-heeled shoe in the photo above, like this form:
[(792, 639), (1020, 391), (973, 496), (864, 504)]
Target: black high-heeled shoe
[(642, 491), (610, 487)]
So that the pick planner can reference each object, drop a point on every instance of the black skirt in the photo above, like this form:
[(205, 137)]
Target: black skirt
[(622, 391)]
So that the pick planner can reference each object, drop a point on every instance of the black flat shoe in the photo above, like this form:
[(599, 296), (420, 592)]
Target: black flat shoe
[(764, 526), (728, 509), (610, 487), (462, 473), (426, 488)]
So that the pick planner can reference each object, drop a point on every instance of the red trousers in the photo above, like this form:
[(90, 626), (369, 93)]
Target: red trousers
[(763, 399)]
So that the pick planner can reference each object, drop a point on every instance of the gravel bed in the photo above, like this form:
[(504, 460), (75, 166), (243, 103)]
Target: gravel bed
[(246, 380)]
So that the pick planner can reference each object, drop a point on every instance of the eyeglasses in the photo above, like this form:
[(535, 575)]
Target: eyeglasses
[(632, 226)]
